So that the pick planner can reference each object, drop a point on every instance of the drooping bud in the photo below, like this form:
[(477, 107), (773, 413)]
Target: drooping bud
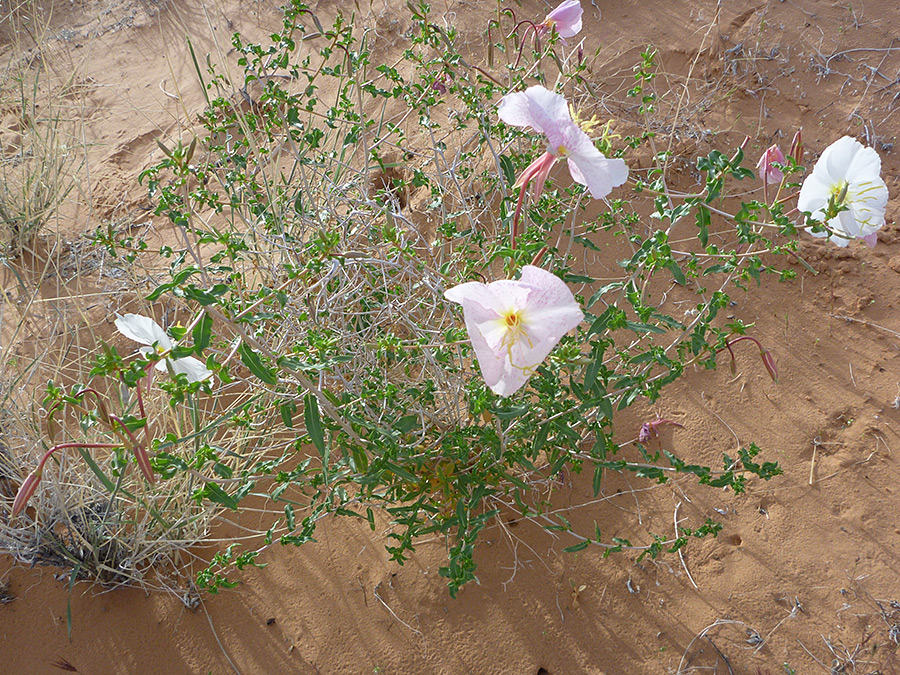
[(645, 433), (143, 461), (769, 363), (25, 492)]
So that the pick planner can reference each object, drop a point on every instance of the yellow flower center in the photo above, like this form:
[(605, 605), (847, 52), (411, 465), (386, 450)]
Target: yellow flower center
[(839, 192), (587, 125), (514, 320)]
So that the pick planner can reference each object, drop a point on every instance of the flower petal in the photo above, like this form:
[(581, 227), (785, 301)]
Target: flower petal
[(566, 18), (193, 368), (598, 173), (537, 108), (142, 329), (852, 171), (551, 312), (837, 157), (510, 381)]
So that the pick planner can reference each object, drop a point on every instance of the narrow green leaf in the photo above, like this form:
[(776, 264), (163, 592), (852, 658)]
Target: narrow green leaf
[(580, 546), (703, 221), (72, 576), (509, 171), (289, 516), (314, 423), (598, 477), (287, 413), (253, 361), (202, 334)]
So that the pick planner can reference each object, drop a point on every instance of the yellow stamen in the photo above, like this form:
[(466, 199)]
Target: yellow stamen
[(587, 125)]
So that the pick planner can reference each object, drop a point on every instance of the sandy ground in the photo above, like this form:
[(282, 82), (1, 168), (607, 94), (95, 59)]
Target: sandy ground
[(805, 571)]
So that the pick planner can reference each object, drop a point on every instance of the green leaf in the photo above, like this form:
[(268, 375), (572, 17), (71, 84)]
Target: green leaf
[(509, 170), (598, 477), (406, 424), (314, 424), (643, 327), (703, 224), (603, 291), (217, 495), (288, 408), (289, 516), (578, 279), (253, 361), (580, 546), (680, 279), (202, 334)]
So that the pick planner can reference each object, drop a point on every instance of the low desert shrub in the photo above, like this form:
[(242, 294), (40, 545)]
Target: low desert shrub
[(331, 212)]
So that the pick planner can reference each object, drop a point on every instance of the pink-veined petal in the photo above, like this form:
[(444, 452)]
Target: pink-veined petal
[(568, 11), (484, 307), (491, 362), (598, 173), (510, 381), (871, 239), (551, 312), (768, 173), (143, 330), (566, 18), (537, 108)]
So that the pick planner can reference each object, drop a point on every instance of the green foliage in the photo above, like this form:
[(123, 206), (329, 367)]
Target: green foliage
[(321, 291)]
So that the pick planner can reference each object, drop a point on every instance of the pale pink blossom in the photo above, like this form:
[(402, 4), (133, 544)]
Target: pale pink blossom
[(547, 113), (146, 331), (565, 20), (768, 172), (847, 175), (513, 325)]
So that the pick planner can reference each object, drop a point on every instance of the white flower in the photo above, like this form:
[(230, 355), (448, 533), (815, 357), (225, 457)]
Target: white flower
[(847, 175), (548, 113), (146, 331), (514, 325)]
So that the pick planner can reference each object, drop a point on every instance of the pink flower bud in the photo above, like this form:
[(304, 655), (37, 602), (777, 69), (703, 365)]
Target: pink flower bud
[(769, 363), (646, 433), (796, 150), (143, 461), (25, 492), (768, 172)]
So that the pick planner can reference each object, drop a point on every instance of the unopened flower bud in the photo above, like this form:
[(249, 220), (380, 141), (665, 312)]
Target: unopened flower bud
[(25, 492), (769, 363), (143, 461), (796, 150)]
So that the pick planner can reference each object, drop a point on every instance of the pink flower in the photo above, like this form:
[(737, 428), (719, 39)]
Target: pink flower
[(768, 172), (513, 325), (565, 19), (548, 113)]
